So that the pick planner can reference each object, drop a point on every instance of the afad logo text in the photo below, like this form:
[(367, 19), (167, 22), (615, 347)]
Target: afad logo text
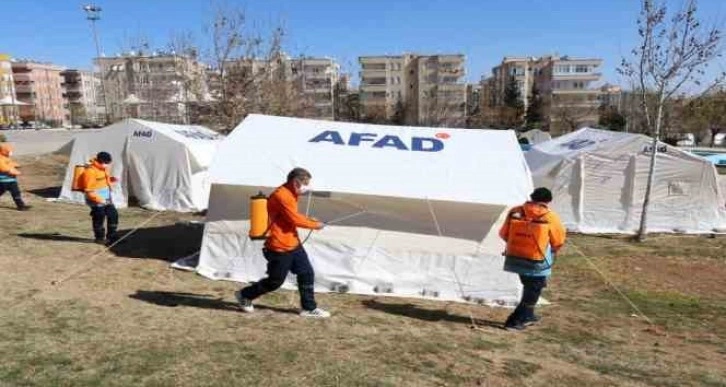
[(415, 144)]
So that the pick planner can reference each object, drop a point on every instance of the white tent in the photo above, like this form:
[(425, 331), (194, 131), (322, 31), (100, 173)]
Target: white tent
[(536, 136), (598, 180), (163, 166), (413, 211)]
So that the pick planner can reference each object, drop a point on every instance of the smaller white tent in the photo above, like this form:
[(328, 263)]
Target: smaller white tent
[(414, 211), (598, 179), (536, 136), (163, 166)]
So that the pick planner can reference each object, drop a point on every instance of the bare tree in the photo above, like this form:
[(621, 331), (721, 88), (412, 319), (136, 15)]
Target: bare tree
[(442, 108), (673, 52), (569, 113), (249, 73)]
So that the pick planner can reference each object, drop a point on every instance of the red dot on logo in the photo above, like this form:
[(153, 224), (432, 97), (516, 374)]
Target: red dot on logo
[(443, 136)]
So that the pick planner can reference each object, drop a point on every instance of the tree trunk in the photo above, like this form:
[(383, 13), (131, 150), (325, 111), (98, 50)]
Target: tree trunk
[(642, 231)]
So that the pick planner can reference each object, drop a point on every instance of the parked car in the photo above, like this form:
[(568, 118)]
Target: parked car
[(687, 139), (719, 139)]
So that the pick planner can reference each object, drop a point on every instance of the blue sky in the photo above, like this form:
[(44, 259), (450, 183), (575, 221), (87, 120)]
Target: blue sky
[(484, 30)]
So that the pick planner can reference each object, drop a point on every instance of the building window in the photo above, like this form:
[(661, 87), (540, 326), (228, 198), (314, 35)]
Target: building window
[(582, 69), (562, 69)]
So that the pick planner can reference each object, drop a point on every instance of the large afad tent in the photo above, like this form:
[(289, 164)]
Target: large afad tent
[(163, 166), (412, 211), (599, 177)]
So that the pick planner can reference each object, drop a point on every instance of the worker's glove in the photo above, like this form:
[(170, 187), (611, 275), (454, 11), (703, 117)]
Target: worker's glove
[(113, 179)]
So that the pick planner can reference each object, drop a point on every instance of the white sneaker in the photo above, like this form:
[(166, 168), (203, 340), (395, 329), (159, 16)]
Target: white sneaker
[(244, 303), (315, 313)]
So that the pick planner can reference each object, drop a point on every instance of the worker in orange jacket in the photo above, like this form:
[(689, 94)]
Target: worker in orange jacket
[(283, 250), (534, 234), (97, 185), (9, 176)]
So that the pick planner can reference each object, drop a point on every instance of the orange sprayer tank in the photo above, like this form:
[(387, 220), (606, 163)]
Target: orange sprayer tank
[(77, 172), (258, 216)]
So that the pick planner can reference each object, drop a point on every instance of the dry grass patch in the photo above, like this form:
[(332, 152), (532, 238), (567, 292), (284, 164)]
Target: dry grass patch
[(127, 319)]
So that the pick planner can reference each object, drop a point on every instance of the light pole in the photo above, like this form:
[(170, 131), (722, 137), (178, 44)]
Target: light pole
[(93, 14)]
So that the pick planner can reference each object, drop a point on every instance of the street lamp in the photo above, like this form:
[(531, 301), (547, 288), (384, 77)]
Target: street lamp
[(93, 14)]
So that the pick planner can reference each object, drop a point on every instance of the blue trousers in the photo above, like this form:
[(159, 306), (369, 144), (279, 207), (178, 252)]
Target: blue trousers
[(12, 187), (532, 290), (278, 266)]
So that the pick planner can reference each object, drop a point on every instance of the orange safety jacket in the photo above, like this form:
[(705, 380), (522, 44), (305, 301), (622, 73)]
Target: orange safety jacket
[(8, 168), (285, 219), (96, 183), (531, 230)]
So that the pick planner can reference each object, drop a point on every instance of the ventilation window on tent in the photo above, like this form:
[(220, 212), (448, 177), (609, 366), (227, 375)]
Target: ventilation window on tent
[(678, 188)]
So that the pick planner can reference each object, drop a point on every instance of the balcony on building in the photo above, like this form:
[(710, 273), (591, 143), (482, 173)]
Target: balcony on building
[(576, 70), (374, 98), (317, 72), (374, 65), (24, 88), (22, 77), (373, 84)]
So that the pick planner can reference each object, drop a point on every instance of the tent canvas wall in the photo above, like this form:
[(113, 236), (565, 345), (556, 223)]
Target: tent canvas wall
[(414, 211), (164, 166), (598, 180)]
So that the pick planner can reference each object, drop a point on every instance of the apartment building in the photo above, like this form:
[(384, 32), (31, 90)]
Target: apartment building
[(424, 89), (158, 86), (570, 100), (313, 81), (611, 95), (80, 91), (318, 77), (521, 69), (38, 87), (8, 98), (564, 84)]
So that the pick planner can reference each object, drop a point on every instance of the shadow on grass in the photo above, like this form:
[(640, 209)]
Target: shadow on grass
[(167, 243), (416, 312), (203, 301), (54, 236), (47, 192)]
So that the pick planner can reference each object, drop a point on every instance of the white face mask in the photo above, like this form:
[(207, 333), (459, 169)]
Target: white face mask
[(302, 188), (305, 189)]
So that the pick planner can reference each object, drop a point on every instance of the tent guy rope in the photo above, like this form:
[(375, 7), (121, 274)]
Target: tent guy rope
[(453, 268), (611, 284), (87, 264)]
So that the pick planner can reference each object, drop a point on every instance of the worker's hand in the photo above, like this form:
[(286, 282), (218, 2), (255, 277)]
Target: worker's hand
[(320, 226), (113, 179)]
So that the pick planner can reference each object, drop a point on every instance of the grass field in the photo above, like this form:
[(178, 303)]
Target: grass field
[(125, 318)]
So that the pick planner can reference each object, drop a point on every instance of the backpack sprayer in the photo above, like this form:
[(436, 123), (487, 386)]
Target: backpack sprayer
[(260, 222)]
